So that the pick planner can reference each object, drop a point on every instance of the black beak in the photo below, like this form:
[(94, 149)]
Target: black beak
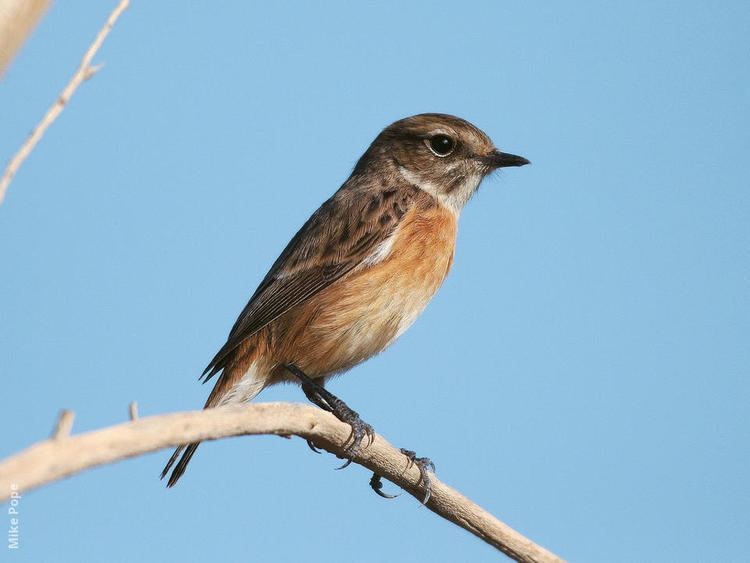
[(497, 159)]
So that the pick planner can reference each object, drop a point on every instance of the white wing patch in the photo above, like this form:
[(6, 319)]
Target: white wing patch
[(382, 250)]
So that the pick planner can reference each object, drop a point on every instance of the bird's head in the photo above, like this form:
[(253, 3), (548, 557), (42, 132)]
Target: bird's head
[(441, 154)]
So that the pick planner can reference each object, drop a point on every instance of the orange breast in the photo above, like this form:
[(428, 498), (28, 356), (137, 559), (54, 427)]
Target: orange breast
[(361, 314)]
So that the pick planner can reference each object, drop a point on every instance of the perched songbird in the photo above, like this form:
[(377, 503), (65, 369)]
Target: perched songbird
[(360, 270)]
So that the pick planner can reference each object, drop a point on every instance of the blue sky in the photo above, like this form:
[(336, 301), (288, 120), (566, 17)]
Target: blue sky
[(583, 372)]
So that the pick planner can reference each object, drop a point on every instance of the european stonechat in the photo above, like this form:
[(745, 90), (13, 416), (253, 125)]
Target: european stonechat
[(359, 271)]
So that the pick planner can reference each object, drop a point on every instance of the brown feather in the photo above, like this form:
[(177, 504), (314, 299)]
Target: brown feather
[(336, 239)]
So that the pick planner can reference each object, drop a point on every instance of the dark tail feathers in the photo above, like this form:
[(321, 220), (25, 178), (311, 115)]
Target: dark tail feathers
[(181, 466)]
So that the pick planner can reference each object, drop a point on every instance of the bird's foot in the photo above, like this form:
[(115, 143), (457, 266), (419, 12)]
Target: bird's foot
[(313, 447), (376, 482), (425, 466), (360, 430), (327, 401)]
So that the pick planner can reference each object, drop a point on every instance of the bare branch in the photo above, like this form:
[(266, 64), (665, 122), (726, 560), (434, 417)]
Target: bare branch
[(84, 72), (52, 459)]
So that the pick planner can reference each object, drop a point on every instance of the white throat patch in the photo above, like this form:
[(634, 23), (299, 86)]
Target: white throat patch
[(455, 200)]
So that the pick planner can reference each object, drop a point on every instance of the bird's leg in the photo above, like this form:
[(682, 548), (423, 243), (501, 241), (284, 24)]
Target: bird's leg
[(331, 403), (316, 399)]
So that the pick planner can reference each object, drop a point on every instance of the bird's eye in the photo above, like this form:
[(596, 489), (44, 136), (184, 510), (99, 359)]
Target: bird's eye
[(441, 145)]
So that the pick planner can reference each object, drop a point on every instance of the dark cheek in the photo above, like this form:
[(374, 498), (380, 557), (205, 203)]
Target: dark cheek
[(454, 184)]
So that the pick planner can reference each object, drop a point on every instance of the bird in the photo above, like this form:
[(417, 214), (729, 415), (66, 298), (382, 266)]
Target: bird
[(358, 273)]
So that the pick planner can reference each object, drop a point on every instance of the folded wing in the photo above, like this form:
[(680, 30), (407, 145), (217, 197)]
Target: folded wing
[(343, 234)]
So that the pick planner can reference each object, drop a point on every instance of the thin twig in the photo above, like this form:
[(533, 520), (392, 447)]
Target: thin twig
[(84, 72), (64, 425), (133, 410), (52, 460)]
